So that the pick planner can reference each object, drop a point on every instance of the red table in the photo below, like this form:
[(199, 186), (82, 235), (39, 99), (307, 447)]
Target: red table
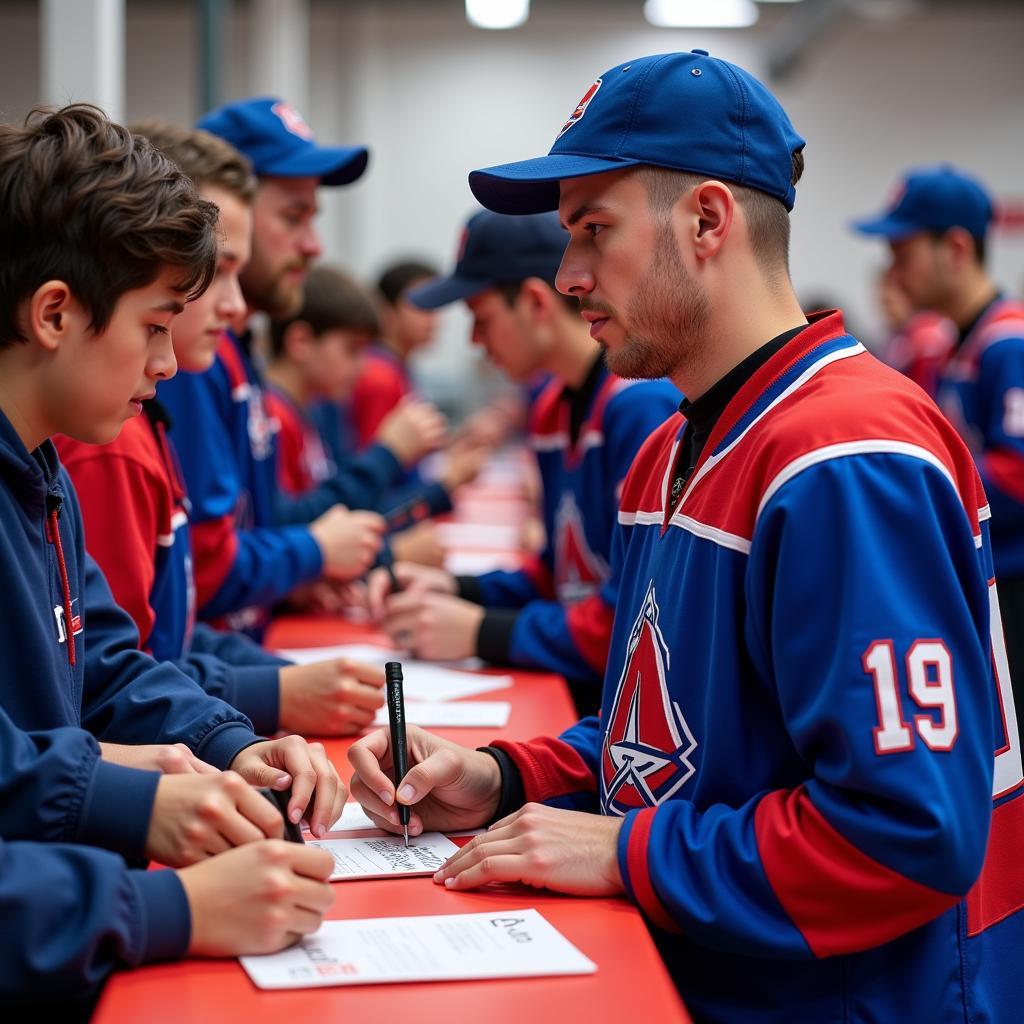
[(631, 982)]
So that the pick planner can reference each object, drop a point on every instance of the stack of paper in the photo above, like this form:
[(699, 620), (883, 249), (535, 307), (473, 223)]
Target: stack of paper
[(499, 944), (422, 681)]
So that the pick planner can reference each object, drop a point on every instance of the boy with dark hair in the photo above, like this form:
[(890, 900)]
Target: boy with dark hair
[(404, 329), (104, 241), (136, 509)]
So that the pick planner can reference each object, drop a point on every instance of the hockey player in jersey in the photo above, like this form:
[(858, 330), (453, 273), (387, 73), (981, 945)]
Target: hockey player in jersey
[(585, 427), (807, 770), (937, 230)]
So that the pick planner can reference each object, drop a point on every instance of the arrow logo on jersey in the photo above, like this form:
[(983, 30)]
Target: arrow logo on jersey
[(647, 742), (578, 570)]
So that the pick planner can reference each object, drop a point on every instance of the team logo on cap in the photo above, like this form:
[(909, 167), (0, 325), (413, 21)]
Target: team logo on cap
[(578, 570), (647, 743), (292, 120), (581, 108)]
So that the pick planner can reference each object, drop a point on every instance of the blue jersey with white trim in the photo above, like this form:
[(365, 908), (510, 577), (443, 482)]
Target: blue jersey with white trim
[(807, 725), (981, 389), (565, 594)]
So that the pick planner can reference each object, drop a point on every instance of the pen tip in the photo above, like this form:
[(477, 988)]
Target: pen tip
[(405, 830)]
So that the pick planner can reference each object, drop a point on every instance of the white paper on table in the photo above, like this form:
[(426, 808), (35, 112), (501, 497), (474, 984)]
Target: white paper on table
[(476, 563), (478, 535), (491, 714), (450, 947), (353, 818), (421, 680), (386, 856)]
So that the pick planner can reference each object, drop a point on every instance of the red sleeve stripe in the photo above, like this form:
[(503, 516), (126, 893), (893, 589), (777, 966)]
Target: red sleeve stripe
[(1006, 470), (549, 768), (999, 891), (840, 899), (639, 880), (539, 575), (590, 626), (214, 546)]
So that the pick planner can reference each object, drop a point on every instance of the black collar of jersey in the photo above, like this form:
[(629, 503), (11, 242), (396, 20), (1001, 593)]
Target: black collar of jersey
[(965, 331), (703, 413), (579, 399)]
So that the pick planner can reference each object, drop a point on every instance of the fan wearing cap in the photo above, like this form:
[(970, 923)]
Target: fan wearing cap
[(585, 428), (937, 228), (244, 560), (803, 725)]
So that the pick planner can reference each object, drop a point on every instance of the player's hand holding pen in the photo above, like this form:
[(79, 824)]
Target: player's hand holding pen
[(448, 787)]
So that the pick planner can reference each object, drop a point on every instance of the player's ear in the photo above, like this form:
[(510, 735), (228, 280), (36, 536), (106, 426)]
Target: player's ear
[(712, 207), (536, 298)]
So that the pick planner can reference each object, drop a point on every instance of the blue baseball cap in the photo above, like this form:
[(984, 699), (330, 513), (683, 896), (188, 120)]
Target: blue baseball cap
[(932, 199), (278, 142), (495, 248), (684, 111)]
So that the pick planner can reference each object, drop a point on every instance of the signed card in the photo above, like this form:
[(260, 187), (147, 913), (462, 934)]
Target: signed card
[(386, 856)]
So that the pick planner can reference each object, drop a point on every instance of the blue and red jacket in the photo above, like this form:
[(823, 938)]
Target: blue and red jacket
[(807, 725), (243, 562), (136, 513), (555, 613), (981, 389)]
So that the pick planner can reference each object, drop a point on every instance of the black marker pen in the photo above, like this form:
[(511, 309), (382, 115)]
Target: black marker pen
[(396, 719)]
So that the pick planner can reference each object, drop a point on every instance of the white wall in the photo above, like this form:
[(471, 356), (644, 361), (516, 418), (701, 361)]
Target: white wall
[(435, 98)]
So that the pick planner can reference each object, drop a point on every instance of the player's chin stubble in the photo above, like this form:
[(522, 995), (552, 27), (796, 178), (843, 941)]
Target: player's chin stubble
[(667, 316)]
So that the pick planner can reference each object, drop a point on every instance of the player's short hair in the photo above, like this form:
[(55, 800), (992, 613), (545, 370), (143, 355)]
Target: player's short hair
[(397, 279), (205, 158), (767, 217), (334, 301), (84, 201), (509, 291)]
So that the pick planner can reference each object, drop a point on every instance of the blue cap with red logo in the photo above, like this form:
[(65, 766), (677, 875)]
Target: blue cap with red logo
[(494, 249), (683, 111), (933, 199), (279, 143)]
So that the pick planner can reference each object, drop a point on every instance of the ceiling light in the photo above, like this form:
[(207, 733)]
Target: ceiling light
[(497, 13), (700, 13)]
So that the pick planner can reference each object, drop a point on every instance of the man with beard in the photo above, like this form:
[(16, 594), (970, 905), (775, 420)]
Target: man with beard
[(244, 560), (806, 771), (585, 427)]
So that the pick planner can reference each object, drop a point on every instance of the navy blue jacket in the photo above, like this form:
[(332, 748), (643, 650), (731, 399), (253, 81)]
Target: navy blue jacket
[(100, 682), (69, 915)]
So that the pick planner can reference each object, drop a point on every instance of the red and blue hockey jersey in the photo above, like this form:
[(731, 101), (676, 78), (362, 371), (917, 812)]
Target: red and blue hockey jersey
[(243, 562), (981, 389), (565, 597), (807, 724)]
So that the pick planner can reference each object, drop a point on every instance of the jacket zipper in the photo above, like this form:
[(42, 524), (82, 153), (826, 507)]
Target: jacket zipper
[(53, 536)]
